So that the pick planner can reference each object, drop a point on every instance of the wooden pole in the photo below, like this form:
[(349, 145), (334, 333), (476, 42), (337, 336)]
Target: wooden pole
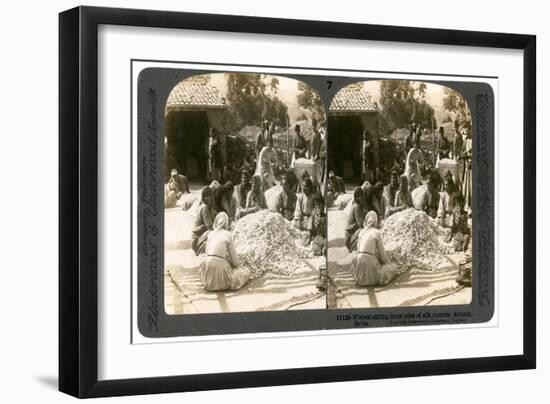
[(433, 142), (287, 141)]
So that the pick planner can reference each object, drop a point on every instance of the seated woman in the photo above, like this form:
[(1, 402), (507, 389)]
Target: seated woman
[(426, 197), (374, 200), (355, 221), (317, 226), (220, 271), (203, 221), (255, 200), (225, 201), (460, 231), (304, 205), (177, 186), (403, 199), (447, 203), (285, 203), (369, 267)]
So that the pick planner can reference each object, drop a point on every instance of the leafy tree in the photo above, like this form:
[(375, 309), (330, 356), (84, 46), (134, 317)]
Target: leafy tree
[(309, 99), (402, 103), (274, 84), (455, 103), (251, 98), (276, 111)]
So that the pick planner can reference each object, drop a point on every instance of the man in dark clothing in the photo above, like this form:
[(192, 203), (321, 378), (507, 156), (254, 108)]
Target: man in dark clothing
[(410, 139), (215, 155), (300, 144), (261, 138), (315, 141), (443, 145), (457, 143), (367, 157)]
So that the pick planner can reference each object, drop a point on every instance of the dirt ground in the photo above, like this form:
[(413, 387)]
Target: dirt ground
[(184, 293), (412, 288)]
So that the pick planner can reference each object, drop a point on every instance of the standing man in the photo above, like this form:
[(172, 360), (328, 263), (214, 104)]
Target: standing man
[(367, 158), (300, 144), (457, 151), (323, 155), (315, 151), (409, 140), (415, 159), (457, 142), (443, 145), (261, 138), (267, 161), (215, 155), (467, 177)]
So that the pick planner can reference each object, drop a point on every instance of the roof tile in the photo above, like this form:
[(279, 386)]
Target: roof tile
[(195, 93), (353, 99)]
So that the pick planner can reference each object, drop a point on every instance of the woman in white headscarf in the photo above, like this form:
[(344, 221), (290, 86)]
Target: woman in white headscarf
[(219, 270), (369, 266)]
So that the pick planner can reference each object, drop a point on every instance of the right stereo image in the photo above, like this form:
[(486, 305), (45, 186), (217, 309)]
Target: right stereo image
[(399, 196)]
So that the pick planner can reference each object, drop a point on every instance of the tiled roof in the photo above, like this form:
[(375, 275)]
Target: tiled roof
[(195, 94), (353, 99)]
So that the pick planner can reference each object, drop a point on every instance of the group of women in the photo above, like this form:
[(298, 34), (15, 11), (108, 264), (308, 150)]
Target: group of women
[(439, 198), (210, 234), (222, 204)]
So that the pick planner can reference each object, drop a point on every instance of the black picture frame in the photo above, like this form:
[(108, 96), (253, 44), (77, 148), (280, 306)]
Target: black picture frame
[(78, 207)]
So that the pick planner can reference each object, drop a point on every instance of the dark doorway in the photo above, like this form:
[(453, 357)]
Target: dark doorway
[(344, 146), (187, 144)]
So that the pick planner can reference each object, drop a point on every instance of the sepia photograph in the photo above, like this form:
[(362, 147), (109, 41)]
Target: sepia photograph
[(399, 196), (244, 204)]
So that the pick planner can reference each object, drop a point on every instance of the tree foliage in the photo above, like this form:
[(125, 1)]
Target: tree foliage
[(401, 103), (310, 100), (455, 103), (251, 98)]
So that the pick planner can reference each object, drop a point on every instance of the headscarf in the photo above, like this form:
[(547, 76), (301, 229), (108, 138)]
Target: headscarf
[(221, 222), (371, 219), (214, 185), (366, 186), (205, 191)]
